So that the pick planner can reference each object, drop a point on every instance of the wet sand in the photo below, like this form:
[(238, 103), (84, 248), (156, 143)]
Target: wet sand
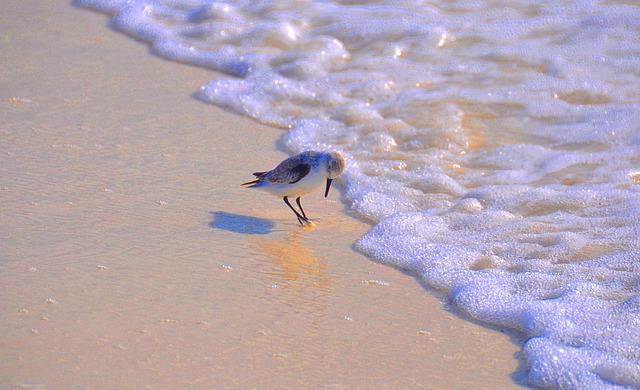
[(130, 256)]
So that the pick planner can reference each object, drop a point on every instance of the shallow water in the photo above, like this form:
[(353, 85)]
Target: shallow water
[(494, 145)]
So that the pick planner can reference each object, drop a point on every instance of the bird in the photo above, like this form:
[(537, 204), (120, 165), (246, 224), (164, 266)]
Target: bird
[(299, 175)]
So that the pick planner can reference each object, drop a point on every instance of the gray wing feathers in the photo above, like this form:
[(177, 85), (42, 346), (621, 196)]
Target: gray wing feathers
[(289, 171)]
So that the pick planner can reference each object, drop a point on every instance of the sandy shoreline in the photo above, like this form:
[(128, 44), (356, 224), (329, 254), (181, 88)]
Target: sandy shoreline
[(132, 258)]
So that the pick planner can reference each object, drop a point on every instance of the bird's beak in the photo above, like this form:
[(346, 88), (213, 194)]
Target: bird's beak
[(326, 192)]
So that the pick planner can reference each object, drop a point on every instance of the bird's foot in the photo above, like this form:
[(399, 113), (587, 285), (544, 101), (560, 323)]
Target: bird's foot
[(308, 225), (306, 221)]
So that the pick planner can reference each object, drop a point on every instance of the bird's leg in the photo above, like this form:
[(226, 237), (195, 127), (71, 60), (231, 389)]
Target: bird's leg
[(300, 217), (301, 209)]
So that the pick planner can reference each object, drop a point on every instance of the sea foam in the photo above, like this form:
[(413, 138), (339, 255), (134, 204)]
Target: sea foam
[(494, 146)]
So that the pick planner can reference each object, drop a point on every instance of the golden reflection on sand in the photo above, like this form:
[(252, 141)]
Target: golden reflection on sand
[(294, 263)]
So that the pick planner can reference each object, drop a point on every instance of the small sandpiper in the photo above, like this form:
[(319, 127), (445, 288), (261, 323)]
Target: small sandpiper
[(299, 175)]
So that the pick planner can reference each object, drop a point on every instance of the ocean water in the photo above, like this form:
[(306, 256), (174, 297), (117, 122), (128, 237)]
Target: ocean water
[(493, 145)]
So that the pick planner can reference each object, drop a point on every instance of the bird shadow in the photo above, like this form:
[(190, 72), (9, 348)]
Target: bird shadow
[(237, 223)]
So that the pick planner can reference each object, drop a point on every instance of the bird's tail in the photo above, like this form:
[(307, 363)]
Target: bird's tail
[(254, 183), (251, 183)]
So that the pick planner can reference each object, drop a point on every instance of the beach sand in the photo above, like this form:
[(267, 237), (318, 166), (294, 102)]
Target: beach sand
[(130, 257)]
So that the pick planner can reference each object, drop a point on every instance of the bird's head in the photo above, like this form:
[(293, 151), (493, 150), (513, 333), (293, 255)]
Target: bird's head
[(335, 166)]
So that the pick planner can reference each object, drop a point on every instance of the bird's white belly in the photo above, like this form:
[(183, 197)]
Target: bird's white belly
[(308, 184)]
